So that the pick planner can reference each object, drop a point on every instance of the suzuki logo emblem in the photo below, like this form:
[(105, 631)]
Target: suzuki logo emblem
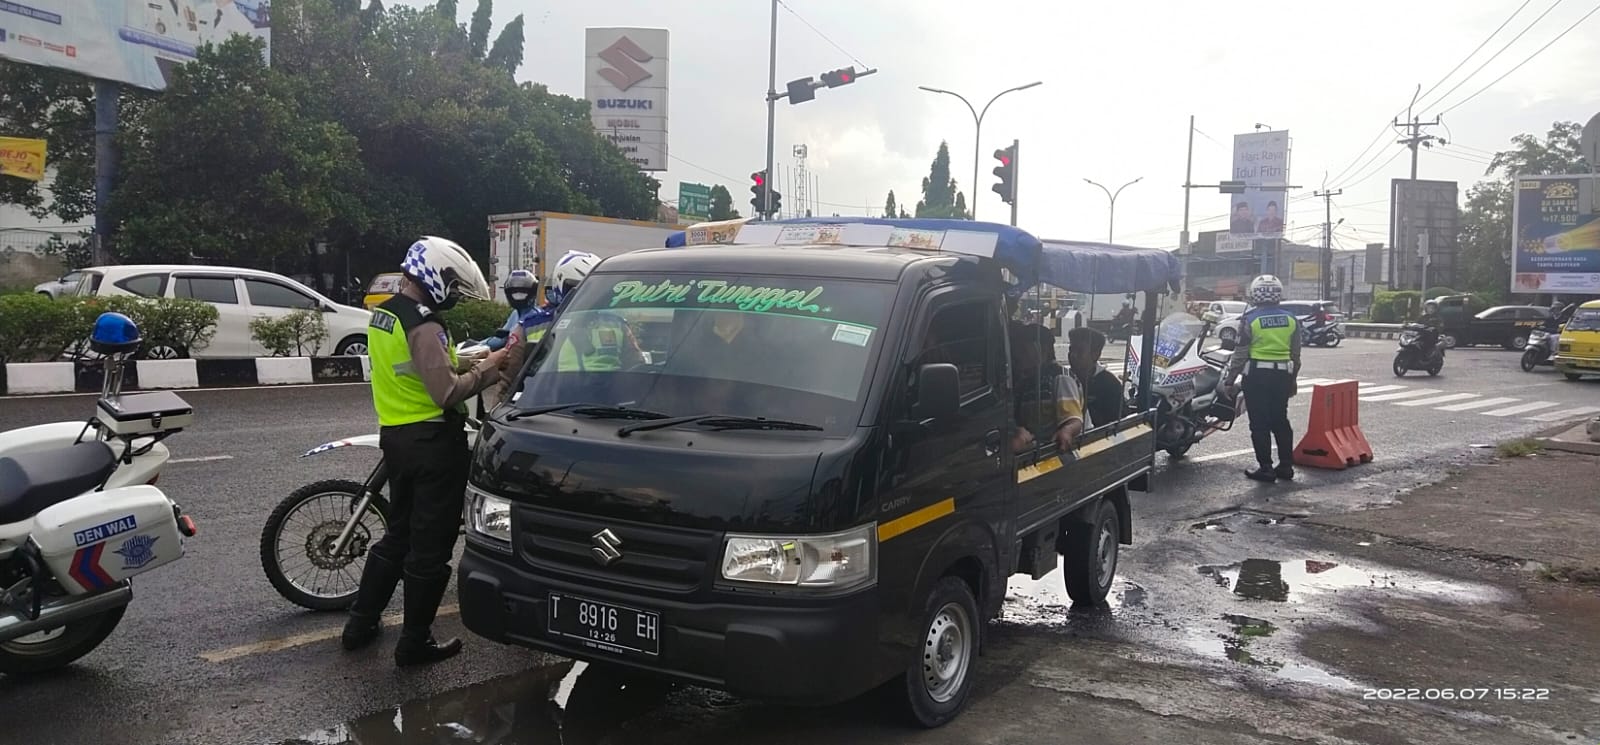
[(605, 548), (624, 58)]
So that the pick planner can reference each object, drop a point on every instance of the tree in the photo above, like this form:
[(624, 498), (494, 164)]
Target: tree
[(940, 197), (258, 182), (447, 10), (1486, 220), (889, 209), (481, 19), (722, 204), (506, 54)]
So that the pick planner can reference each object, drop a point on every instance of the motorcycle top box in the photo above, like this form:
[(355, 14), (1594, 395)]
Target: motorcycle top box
[(144, 413), (94, 541)]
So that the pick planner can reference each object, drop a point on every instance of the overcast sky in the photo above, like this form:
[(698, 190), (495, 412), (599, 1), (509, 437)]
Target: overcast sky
[(1120, 81)]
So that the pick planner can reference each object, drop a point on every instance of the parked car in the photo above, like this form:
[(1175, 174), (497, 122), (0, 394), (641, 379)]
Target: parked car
[(1228, 313), (66, 284), (239, 295)]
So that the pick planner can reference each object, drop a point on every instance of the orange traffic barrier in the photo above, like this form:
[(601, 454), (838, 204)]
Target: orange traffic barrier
[(1333, 436)]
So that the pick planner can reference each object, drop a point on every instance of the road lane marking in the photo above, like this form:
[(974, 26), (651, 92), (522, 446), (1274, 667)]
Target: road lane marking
[(1484, 404), (1316, 381), (1379, 389), (1413, 393), (201, 459), (300, 640), (286, 386), (1220, 456), (1438, 399), (1523, 409), (1556, 416)]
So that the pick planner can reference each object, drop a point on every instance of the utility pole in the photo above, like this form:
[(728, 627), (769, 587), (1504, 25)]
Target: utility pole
[(772, 108), (1412, 129), (1183, 236), (1326, 269)]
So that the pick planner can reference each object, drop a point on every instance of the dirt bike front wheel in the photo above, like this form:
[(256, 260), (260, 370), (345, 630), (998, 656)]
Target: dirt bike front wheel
[(297, 543)]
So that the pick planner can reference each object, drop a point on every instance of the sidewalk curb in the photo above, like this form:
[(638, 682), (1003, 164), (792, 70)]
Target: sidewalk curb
[(1549, 438), (36, 378), (1372, 330)]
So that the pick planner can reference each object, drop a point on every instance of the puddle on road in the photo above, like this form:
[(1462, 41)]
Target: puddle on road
[(1044, 602), (1241, 644), (572, 703), (1294, 581)]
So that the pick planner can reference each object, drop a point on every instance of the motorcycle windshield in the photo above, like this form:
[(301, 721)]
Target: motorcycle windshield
[(1175, 348)]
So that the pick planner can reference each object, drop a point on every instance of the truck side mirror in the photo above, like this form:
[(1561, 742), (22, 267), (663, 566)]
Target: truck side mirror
[(938, 392)]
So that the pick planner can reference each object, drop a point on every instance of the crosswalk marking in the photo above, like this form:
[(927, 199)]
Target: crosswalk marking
[(1379, 389), (1437, 399), (1402, 394), (1483, 404), (1523, 409), (1308, 382), (1556, 416)]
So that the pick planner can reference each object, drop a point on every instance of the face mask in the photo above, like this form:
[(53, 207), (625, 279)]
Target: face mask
[(449, 302)]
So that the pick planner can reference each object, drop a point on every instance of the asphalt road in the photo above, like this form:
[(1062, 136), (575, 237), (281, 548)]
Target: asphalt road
[(209, 653)]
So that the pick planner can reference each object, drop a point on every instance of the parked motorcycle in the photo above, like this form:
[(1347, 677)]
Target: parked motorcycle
[(80, 514), (314, 545), (1541, 349), (1412, 356), (1186, 380)]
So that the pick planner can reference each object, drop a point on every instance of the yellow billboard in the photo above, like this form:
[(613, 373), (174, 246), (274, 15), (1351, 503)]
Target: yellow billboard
[(22, 157), (1307, 270)]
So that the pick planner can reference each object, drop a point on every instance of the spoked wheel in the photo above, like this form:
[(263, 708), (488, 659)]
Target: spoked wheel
[(297, 544)]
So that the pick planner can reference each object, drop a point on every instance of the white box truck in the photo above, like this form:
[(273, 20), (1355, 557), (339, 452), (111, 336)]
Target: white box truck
[(534, 240)]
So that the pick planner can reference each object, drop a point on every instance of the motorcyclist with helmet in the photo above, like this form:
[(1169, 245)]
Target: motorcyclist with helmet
[(1429, 337), (420, 389), (521, 290), (1269, 357)]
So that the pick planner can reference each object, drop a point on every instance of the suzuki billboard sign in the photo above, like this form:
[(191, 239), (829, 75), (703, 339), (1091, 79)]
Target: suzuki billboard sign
[(625, 82)]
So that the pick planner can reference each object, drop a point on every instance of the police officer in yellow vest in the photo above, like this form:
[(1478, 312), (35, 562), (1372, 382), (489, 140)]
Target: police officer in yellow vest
[(1269, 356), (421, 399)]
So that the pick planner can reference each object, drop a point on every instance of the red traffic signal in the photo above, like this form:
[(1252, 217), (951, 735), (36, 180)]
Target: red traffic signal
[(840, 77), (760, 177), (1006, 172)]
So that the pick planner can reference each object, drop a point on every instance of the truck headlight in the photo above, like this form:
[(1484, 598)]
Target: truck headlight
[(489, 518), (834, 560)]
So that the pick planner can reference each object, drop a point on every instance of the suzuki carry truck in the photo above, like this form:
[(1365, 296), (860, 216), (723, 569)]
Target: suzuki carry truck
[(785, 467)]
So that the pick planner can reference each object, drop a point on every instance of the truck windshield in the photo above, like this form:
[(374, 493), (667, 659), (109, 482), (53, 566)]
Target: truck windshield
[(791, 348)]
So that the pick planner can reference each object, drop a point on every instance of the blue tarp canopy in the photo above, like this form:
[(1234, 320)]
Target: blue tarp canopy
[(1075, 266)]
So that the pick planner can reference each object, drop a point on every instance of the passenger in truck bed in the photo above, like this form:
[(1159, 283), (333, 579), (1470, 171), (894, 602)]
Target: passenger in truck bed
[(1044, 394)]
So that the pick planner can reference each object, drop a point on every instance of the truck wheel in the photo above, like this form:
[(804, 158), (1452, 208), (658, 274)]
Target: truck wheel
[(1573, 376), (939, 682), (1091, 556)]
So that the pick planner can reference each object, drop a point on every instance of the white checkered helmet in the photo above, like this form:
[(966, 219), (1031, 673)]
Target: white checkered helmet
[(445, 270), (1266, 290)]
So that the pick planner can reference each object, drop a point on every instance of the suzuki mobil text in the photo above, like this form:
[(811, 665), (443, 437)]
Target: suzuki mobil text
[(808, 490)]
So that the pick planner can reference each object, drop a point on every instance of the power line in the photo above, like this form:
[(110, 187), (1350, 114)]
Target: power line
[(1536, 53), (1478, 48), (1493, 57), (1374, 172), (825, 38)]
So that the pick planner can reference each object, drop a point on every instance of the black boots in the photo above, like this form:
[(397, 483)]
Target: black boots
[(378, 581), (1263, 474), (417, 645), (1284, 471)]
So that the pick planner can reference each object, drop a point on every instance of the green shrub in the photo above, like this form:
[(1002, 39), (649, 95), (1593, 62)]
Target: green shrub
[(34, 328), (1395, 306), (475, 319), (299, 332)]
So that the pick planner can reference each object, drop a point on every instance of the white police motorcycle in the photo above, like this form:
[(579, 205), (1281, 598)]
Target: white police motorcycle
[(1186, 380), (80, 514)]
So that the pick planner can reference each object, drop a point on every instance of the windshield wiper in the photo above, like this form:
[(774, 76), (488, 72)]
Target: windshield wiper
[(718, 421), (598, 411)]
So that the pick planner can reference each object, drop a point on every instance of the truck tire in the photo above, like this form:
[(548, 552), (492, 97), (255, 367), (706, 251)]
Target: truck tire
[(936, 687), (1090, 556)]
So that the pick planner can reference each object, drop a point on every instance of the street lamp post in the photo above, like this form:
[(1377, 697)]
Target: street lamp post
[(977, 120), (1111, 228), (1111, 231)]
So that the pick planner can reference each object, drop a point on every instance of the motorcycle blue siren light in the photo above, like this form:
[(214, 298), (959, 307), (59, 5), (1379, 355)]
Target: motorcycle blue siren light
[(115, 329)]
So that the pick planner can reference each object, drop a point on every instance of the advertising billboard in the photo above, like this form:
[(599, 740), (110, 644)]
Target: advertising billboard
[(1556, 234), (137, 42), (625, 82), (1261, 161), (1424, 228)]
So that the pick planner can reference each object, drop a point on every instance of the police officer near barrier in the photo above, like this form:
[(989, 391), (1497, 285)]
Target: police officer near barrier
[(1269, 356), (421, 399)]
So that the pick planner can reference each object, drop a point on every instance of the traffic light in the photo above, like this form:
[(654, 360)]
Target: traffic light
[(758, 189), (802, 90), (840, 77), (1007, 173)]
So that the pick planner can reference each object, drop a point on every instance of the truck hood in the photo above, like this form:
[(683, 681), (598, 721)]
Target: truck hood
[(684, 476)]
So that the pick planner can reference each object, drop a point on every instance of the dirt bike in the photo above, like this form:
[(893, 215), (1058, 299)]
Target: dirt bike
[(80, 515), (320, 567)]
